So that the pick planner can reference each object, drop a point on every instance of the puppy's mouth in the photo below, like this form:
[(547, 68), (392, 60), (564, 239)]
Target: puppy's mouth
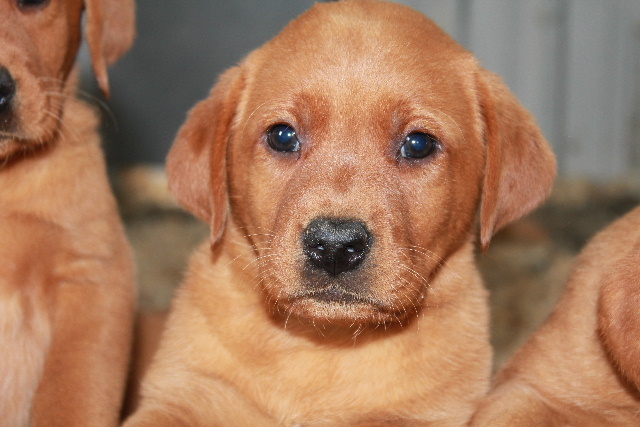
[(335, 305), (334, 294), (337, 309), (334, 284), (337, 280)]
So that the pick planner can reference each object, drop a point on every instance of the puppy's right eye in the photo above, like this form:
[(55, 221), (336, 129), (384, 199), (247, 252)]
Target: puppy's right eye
[(419, 145), (283, 138)]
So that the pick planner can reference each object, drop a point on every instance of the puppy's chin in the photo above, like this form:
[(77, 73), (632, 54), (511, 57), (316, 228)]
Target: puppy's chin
[(337, 314), (333, 309), (9, 148)]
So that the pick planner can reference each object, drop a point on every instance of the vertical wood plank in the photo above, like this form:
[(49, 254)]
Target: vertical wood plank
[(627, 112), (574, 63), (522, 42), (493, 32), (594, 142), (539, 65)]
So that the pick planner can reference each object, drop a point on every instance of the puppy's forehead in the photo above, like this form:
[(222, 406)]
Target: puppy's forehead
[(364, 24), (361, 49)]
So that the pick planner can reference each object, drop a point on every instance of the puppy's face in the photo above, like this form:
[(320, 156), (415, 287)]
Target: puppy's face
[(353, 175), (40, 39), (354, 150)]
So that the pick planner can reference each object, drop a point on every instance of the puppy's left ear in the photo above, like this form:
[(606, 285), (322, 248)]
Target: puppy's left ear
[(111, 28), (520, 166)]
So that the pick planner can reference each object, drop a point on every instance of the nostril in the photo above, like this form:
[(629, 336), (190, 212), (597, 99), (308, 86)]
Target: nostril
[(7, 89), (7, 85), (336, 245)]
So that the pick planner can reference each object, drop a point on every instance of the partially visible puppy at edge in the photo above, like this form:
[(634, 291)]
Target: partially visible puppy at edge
[(342, 167), (582, 367), (67, 289)]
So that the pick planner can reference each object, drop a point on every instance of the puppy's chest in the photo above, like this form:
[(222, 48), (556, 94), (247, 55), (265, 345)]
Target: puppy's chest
[(347, 385), (33, 255), (25, 336), (28, 250)]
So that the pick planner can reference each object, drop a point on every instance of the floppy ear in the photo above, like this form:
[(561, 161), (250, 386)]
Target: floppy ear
[(111, 28), (520, 166), (196, 164)]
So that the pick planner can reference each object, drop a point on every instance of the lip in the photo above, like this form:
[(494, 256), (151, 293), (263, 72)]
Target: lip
[(334, 296)]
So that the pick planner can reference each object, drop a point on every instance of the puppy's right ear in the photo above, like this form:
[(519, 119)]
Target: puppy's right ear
[(196, 164)]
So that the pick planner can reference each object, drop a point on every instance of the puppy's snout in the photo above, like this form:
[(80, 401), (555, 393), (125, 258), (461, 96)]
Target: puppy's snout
[(336, 246), (7, 91)]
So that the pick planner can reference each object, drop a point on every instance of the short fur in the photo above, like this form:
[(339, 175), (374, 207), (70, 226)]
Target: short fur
[(67, 290), (246, 343), (581, 368)]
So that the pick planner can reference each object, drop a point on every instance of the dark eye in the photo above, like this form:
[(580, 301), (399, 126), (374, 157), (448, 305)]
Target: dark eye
[(419, 145), (283, 138), (27, 4)]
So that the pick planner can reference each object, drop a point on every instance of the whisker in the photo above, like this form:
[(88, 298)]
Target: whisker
[(431, 255), (259, 260)]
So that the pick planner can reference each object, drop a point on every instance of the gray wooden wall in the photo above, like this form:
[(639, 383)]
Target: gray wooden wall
[(574, 63)]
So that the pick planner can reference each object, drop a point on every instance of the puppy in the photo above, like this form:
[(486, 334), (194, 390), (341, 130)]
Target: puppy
[(341, 167), (66, 275), (581, 368)]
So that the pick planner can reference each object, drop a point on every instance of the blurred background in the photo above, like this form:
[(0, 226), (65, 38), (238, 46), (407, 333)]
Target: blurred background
[(574, 63)]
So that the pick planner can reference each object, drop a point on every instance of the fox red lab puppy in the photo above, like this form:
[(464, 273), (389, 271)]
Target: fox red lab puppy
[(582, 367), (66, 273), (341, 167)]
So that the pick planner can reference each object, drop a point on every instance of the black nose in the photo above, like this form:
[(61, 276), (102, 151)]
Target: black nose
[(336, 245), (7, 91)]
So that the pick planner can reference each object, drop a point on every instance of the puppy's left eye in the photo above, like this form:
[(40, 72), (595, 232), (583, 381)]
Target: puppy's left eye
[(283, 138), (418, 145)]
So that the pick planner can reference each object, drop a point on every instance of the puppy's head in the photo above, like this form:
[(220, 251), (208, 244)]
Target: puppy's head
[(40, 39), (354, 151)]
